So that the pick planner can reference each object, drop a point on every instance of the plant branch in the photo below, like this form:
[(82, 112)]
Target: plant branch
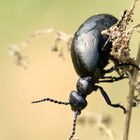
[(130, 98)]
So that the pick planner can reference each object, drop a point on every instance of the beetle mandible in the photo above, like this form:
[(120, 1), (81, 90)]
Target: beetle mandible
[(90, 52)]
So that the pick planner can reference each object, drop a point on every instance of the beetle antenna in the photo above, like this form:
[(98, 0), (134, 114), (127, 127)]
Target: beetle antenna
[(50, 100), (74, 124)]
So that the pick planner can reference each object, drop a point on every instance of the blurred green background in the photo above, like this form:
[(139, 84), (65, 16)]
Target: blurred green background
[(50, 76)]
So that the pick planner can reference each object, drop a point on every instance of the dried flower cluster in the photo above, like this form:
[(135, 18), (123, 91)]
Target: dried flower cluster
[(64, 37), (120, 36), (20, 58), (17, 50)]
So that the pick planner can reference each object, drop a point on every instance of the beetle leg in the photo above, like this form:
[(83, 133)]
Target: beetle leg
[(120, 65), (108, 101), (111, 79)]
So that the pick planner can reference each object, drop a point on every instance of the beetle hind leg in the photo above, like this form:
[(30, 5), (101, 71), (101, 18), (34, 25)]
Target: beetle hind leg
[(108, 101)]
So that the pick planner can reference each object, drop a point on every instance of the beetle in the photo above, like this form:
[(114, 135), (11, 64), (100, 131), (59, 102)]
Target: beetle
[(90, 53)]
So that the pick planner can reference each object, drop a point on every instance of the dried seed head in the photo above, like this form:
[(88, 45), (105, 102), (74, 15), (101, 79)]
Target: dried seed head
[(17, 50), (120, 37)]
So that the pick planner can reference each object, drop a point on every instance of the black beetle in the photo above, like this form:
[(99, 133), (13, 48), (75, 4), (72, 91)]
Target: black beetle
[(90, 52)]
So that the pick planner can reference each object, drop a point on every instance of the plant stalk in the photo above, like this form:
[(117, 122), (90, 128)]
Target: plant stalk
[(130, 99)]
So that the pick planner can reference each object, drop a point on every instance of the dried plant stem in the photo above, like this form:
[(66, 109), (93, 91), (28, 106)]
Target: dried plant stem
[(130, 99)]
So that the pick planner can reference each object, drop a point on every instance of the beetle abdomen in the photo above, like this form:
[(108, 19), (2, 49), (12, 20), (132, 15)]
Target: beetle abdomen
[(84, 55), (86, 52)]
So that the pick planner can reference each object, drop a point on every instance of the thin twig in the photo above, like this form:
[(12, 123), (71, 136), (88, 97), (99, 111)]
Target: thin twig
[(130, 99)]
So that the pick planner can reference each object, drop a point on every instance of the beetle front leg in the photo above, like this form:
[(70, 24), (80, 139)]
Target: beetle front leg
[(108, 101)]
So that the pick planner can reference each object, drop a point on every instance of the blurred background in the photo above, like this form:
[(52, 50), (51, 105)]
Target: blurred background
[(50, 76)]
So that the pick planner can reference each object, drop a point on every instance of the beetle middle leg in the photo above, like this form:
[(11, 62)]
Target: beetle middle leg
[(111, 79), (113, 68), (108, 101)]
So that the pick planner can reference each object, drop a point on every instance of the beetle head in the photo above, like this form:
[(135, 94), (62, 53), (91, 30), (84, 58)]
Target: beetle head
[(77, 102)]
